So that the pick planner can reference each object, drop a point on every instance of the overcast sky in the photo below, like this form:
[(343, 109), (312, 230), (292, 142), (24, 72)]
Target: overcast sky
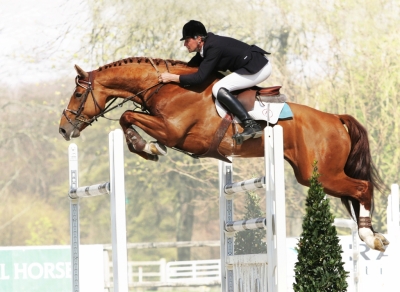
[(37, 35)]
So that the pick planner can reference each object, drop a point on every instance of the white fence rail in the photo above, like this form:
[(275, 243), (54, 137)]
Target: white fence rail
[(205, 270), (182, 273)]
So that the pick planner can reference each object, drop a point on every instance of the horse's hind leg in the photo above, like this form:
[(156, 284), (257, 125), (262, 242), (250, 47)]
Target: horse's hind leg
[(343, 186)]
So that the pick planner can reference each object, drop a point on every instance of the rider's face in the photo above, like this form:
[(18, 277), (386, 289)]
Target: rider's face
[(193, 45)]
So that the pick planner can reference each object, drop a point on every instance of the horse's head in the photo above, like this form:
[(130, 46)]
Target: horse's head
[(132, 79), (84, 105)]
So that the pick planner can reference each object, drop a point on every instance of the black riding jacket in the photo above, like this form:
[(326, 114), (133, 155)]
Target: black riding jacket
[(222, 54)]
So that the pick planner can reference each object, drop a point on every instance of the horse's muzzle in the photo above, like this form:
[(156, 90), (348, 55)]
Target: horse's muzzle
[(69, 134)]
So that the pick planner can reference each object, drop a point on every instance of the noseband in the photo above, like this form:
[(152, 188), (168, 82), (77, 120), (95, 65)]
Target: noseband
[(88, 86)]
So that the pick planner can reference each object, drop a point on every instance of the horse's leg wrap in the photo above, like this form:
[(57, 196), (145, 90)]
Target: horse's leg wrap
[(138, 143), (365, 222)]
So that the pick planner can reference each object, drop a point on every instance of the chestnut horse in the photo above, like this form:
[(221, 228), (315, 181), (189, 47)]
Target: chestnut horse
[(186, 119)]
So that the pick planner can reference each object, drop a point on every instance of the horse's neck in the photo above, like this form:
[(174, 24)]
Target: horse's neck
[(127, 80)]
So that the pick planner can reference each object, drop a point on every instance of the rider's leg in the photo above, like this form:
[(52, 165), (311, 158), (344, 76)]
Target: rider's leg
[(221, 90), (251, 128)]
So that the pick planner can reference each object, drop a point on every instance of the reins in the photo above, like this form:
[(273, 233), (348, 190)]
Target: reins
[(89, 90)]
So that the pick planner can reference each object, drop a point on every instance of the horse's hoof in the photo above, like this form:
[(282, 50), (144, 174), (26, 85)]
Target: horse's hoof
[(373, 240), (383, 239), (378, 245), (157, 148), (152, 157)]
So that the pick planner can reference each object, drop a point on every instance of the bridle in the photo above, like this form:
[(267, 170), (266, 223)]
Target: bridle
[(88, 86)]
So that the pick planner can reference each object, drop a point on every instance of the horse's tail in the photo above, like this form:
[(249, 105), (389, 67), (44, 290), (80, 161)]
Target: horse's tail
[(359, 164)]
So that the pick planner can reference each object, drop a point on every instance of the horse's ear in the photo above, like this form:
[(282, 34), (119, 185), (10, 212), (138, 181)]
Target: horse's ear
[(80, 72)]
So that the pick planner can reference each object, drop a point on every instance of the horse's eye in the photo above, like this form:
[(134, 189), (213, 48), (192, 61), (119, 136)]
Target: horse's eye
[(77, 94)]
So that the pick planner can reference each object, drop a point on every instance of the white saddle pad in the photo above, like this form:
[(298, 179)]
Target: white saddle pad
[(268, 112)]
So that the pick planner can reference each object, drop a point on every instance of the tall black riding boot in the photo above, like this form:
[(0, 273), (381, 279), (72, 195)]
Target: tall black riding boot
[(251, 128)]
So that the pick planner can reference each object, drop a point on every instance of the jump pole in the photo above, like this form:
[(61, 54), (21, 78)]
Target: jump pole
[(261, 272), (116, 189), (352, 225), (393, 212), (393, 227)]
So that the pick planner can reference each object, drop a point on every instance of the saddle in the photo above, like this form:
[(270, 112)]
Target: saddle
[(248, 96)]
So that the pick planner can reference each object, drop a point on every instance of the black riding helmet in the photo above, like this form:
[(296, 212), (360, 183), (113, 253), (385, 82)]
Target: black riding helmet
[(192, 29)]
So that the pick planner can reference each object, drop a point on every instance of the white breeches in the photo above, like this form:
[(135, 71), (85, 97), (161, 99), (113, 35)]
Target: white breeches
[(236, 81)]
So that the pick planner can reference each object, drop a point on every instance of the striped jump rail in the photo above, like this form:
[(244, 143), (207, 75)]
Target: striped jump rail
[(246, 185), (90, 191), (241, 225)]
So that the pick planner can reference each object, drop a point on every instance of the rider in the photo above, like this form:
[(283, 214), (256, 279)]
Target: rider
[(217, 53)]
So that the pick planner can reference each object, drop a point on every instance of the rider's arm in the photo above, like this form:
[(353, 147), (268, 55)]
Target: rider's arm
[(207, 66)]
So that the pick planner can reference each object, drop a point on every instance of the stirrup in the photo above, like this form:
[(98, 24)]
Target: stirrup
[(256, 132), (239, 138)]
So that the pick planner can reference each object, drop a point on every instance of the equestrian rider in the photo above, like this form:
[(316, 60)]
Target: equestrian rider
[(217, 53)]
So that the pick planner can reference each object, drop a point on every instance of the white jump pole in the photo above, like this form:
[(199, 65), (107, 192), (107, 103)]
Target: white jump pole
[(74, 216), (393, 227), (116, 189), (393, 211), (352, 225), (250, 269), (275, 208), (118, 213)]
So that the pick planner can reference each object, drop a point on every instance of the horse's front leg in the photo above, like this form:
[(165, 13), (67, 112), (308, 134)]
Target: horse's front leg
[(145, 155), (135, 141)]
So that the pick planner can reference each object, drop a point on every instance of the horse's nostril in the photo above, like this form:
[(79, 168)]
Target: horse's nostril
[(62, 131)]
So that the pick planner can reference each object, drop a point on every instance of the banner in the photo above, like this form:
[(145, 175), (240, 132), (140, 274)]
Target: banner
[(48, 269)]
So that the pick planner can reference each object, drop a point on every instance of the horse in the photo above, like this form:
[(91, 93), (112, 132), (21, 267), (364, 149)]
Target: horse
[(185, 118)]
